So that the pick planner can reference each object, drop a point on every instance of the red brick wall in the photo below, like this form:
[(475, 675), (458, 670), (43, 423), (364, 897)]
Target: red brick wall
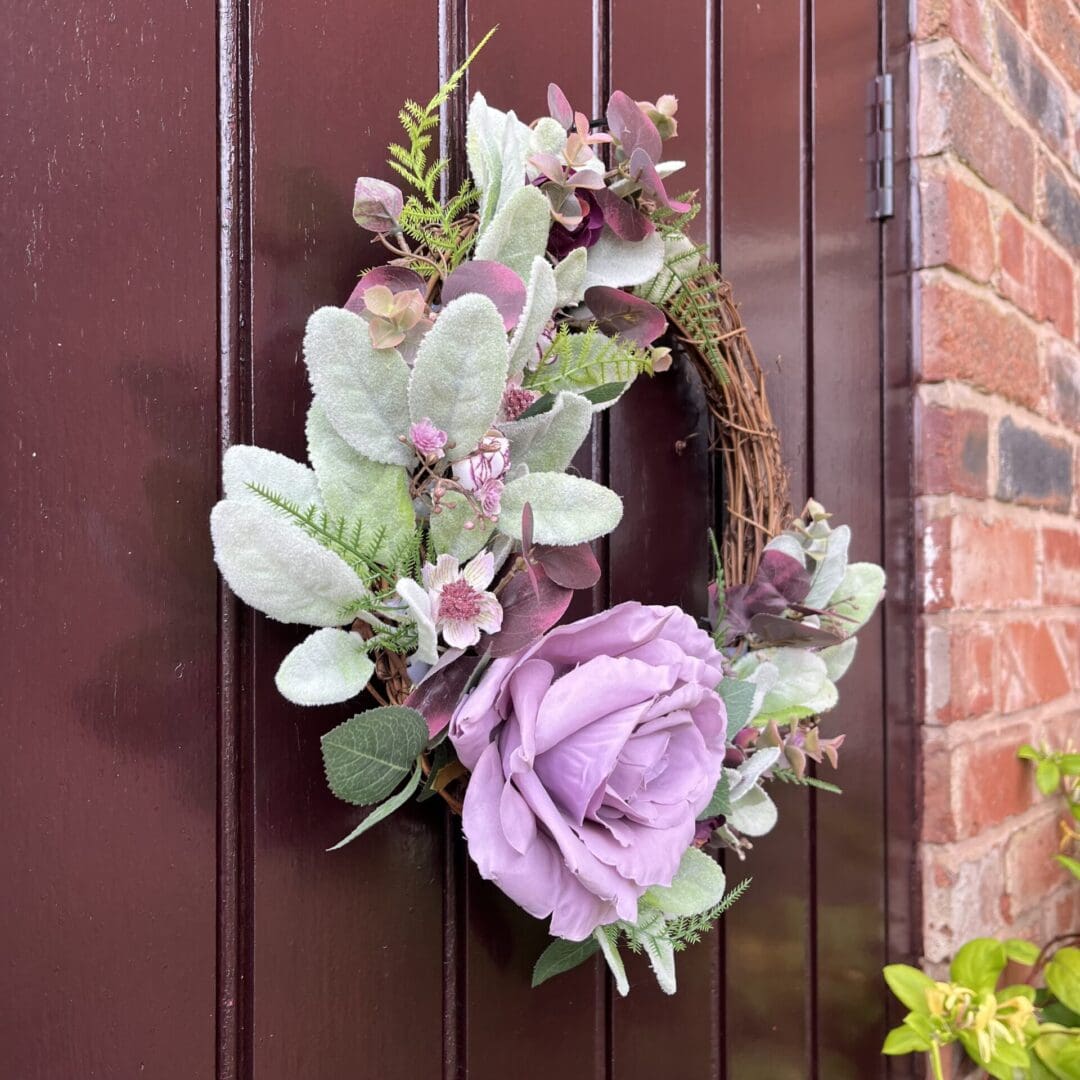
[(996, 231)]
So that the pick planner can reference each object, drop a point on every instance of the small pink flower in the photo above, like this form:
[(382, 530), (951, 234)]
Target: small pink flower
[(428, 439), (489, 461), (460, 605), (489, 496), (516, 399)]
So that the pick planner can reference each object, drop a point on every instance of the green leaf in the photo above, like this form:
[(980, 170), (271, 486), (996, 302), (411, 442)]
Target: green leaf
[(245, 466), (624, 263), (1063, 977), (356, 488), (1027, 752), (1060, 1053), (681, 254), (661, 954), (368, 755), (905, 1040), (979, 964), (518, 233), (497, 145), (1022, 952), (697, 886), (562, 955), (1047, 776), (384, 810), (329, 666), (754, 814), (738, 698), (830, 570), (838, 658), (566, 509), (1069, 764), (996, 1068), (275, 567), (720, 803), (802, 685), (459, 375), (547, 443), (1070, 864), (610, 949), (570, 278), (362, 389), (855, 599), (449, 534), (540, 302), (909, 985)]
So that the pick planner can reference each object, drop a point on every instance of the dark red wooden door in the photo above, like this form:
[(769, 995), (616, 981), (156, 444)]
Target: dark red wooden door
[(177, 201)]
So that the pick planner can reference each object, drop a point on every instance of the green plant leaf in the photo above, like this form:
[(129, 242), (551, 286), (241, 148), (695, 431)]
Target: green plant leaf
[(570, 278), (362, 389), (460, 372), (720, 803), (1063, 977), (754, 814), (738, 698), (909, 984), (562, 955), (697, 886), (1069, 764), (497, 146), (540, 301), (1070, 864), (276, 568), (661, 954), (368, 755), (548, 442), (329, 666), (1047, 776), (356, 488), (384, 810), (905, 1040), (1020, 951), (855, 598), (245, 466), (518, 233), (449, 534), (1060, 1053), (566, 509), (838, 658), (802, 685), (681, 258), (830, 569), (1027, 752), (978, 964), (624, 263), (610, 950)]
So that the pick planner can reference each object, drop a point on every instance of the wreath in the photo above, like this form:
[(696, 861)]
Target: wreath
[(439, 533)]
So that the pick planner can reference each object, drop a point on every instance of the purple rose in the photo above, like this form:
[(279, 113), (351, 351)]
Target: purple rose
[(561, 240), (592, 753)]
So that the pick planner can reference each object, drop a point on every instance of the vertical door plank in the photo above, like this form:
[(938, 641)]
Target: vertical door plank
[(767, 934), (659, 461), (847, 392), (347, 947), (559, 1028), (108, 410)]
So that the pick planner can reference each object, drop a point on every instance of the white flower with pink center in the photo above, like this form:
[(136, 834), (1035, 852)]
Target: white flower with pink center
[(460, 604)]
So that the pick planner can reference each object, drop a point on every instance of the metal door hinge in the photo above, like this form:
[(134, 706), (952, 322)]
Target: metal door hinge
[(880, 150)]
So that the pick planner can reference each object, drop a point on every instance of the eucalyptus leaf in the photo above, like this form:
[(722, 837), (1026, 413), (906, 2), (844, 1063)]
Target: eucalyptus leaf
[(356, 488), (566, 509), (754, 814), (855, 598), (570, 278), (802, 686), (549, 441), (384, 810), (329, 666), (362, 389), (368, 755), (460, 372), (697, 886), (838, 658), (518, 233), (541, 299), (624, 263), (562, 955), (276, 568), (830, 570), (246, 466)]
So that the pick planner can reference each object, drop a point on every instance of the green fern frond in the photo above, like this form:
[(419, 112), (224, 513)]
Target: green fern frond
[(696, 307), (581, 361), (689, 929), (789, 776)]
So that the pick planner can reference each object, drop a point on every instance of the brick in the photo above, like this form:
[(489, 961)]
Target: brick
[(1056, 27), (965, 336), (962, 897), (993, 564), (1015, 257), (972, 673), (1054, 289), (1063, 383), (935, 565), (1066, 635), (1036, 92), (962, 20), (956, 227), (1061, 566), (1030, 668), (993, 784), (952, 445), (1031, 872), (1061, 209), (1033, 469), (954, 113), (938, 819), (1019, 9)]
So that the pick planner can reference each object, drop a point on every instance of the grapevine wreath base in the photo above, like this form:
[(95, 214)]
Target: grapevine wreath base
[(438, 536)]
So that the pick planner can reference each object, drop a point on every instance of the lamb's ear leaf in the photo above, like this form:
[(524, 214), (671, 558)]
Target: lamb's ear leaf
[(329, 666), (566, 509), (364, 390), (661, 954), (274, 566), (448, 532), (419, 605), (540, 301), (460, 372), (624, 263), (368, 755), (356, 488), (244, 466), (548, 442), (384, 810), (562, 955), (570, 278), (829, 572), (518, 233), (610, 949), (698, 885)]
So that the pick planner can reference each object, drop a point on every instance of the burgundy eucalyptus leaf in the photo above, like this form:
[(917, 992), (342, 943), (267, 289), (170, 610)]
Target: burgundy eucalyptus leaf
[(572, 567), (622, 313), (438, 694), (559, 106), (634, 130), (376, 204), (644, 172), (527, 528), (786, 575), (498, 283), (395, 278), (777, 630), (626, 220), (527, 615)]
